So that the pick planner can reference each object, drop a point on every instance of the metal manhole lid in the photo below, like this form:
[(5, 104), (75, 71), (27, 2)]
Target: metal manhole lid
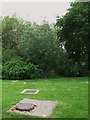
[(25, 106)]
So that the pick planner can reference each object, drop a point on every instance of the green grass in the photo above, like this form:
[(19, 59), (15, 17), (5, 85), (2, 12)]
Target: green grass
[(71, 94)]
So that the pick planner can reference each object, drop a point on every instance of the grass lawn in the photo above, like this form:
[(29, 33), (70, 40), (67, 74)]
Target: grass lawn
[(71, 94)]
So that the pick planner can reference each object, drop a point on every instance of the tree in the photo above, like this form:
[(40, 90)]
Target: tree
[(39, 44), (73, 32), (11, 31), (32, 43)]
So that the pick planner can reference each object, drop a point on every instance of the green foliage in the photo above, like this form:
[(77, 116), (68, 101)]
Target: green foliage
[(39, 44), (7, 54), (11, 31), (73, 33), (74, 69), (18, 69), (32, 50)]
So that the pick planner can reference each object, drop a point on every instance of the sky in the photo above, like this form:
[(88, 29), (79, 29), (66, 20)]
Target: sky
[(35, 11)]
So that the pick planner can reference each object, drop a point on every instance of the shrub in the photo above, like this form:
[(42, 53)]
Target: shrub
[(72, 69), (18, 69), (7, 54)]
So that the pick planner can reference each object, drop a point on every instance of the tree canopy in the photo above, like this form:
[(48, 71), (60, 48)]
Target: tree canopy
[(32, 50), (73, 32)]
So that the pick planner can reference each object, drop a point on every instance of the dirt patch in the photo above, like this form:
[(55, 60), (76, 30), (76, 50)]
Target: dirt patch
[(43, 108)]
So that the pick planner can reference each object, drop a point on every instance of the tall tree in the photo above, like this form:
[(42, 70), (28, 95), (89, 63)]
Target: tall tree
[(11, 31), (74, 30)]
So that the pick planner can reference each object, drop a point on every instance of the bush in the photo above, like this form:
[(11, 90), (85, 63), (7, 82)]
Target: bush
[(72, 69), (7, 54), (40, 49), (18, 69)]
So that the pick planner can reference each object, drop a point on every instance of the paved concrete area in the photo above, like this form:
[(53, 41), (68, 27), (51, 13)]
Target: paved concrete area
[(43, 108)]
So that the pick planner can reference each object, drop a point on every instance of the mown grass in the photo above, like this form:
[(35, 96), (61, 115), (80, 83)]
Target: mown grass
[(71, 94)]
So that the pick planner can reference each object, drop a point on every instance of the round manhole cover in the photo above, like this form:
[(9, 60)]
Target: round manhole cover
[(25, 106)]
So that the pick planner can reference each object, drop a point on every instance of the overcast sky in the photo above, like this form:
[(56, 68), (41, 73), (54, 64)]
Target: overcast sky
[(35, 12)]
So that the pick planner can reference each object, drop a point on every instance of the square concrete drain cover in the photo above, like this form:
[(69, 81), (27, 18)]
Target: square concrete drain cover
[(30, 91), (41, 108)]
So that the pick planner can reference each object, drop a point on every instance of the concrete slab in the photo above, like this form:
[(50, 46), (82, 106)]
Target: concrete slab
[(43, 108)]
